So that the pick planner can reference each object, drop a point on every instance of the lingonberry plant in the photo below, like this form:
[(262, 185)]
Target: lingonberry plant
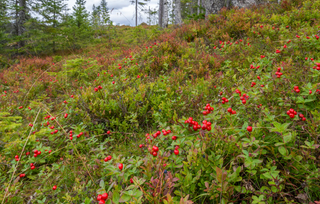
[(221, 110)]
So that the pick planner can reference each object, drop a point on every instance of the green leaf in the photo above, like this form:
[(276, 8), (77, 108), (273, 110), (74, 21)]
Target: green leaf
[(87, 200), (282, 150), (287, 138), (280, 127), (115, 197), (125, 197), (298, 158), (102, 185)]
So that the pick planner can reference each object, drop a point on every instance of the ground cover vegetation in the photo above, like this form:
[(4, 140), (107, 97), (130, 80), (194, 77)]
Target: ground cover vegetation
[(222, 110)]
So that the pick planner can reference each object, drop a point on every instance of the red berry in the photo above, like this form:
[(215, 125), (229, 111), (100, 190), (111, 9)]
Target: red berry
[(154, 154), (155, 148), (249, 128), (104, 196), (176, 151), (174, 137), (98, 197), (120, 166), (131, 180), (54, 187), (109, 157)]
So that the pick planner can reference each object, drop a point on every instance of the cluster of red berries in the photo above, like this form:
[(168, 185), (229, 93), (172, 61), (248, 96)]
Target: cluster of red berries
[(97, 88), (253, 84), (206, 125), (224, 100), (141, 145), (193, 124), (108, 158), (208, 109), (154, 151), (278, 73), (238, 92), (165, 132), (317, 67), (252, 67), (244, 98), (231, 111), (54, 132), (32, 166), (296, 89), (302, 117), (16, 157), (36, 153), (291, 113), (22, 175), (102, 198), (155, 135)]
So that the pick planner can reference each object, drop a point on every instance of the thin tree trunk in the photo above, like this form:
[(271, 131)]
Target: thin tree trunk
[(160, 12), (165, 14), (177, 12), (22, 20), (199, 4), (136, 12)]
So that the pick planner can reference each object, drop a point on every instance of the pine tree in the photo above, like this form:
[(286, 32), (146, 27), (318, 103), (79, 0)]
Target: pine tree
[(104, 11), (3, 22), (95, 16), (52, 13), (80, 13)]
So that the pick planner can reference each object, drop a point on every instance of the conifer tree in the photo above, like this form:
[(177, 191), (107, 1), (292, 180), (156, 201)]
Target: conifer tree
[(3, 22), (52, 13), (80, 13), (104, 11)]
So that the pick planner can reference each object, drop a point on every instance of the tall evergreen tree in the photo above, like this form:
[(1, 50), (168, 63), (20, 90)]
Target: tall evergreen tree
[(95, 16), (3, 21), (52, 13), (80, 13), (104, 11)]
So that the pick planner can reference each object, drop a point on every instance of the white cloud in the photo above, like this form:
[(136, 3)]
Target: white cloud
[(123, 11)]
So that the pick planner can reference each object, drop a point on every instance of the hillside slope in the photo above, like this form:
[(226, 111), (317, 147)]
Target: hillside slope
[(218, 111)]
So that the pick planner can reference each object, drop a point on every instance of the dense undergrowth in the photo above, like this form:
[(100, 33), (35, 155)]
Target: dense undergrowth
[(236, 97)]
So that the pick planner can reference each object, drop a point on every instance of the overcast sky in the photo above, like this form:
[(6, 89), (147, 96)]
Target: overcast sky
[(123, 11)]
